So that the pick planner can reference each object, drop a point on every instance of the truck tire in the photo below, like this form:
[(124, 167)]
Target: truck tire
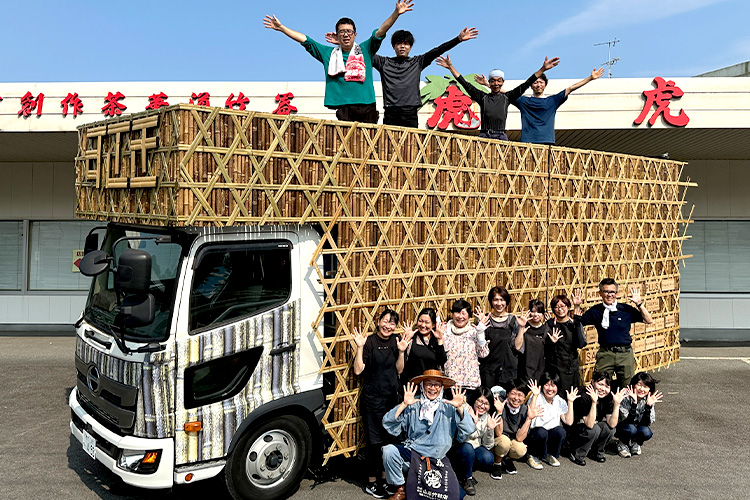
[(270, 460)]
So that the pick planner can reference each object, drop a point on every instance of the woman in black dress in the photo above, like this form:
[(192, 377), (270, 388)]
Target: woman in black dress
[(425, 351), (501, 365), (562, 344)]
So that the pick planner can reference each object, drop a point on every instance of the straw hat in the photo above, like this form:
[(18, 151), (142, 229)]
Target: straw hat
[(433, 375)]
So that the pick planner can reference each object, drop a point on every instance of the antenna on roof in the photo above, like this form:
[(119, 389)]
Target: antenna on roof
[(610, 62)]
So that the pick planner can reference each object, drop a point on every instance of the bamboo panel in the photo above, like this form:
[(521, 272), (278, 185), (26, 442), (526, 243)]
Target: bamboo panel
[(411, 218)]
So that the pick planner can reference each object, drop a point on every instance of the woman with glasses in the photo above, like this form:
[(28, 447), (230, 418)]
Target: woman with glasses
[(562, 343)]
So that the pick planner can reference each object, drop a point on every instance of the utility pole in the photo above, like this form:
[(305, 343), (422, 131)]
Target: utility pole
[(610, 62)]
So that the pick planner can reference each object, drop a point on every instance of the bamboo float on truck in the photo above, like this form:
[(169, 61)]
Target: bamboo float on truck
[(411, 217)]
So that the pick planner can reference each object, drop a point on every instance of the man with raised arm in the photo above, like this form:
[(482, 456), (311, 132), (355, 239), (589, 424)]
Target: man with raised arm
[(349, 84), (494, 106), (538, 112)]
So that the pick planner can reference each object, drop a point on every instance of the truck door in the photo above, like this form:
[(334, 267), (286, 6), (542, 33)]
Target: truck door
[(239, 352)]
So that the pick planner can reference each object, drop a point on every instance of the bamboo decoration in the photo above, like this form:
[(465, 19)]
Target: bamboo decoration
[(411, 218)]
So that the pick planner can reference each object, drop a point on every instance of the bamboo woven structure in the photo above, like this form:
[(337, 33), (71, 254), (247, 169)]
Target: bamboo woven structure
[(411, 218)]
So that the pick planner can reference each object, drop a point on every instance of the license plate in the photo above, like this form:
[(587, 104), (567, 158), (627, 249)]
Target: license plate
[(89, 444)]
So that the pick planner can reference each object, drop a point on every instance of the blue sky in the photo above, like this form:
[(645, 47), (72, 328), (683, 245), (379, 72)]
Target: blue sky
[(224, 40)]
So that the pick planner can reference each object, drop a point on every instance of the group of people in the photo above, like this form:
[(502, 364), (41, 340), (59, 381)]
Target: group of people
[(515, 391), (350, 91)]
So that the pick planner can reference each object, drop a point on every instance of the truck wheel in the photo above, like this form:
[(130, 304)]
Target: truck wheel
[(269, 461)]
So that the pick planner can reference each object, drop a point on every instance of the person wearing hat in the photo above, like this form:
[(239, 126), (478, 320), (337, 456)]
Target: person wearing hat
[(494, 106), (429, 422)]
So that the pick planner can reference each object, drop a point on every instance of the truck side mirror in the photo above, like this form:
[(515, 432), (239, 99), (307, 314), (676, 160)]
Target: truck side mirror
[(94, 263), (133, 274), (137, 310), (91, 244)]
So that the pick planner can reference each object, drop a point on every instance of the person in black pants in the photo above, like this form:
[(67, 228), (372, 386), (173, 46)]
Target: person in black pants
[(380, 360), (595, 417)]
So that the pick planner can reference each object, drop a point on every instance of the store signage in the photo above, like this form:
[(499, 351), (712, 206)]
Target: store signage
[(114, 103), (659, 99)]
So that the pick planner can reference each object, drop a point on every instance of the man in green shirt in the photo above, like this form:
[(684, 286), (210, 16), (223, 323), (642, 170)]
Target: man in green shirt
[(348, 67)]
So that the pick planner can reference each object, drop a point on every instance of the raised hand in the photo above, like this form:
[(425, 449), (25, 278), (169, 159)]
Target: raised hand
[(535, 411), (534, 386), (359, 337), (654, 398), (577, 298), (596, 73), (499, 405), (403, 342), (555, 335), (632, 394), (272, 23), (621, 393), (493, 420), (440, 329), (403, 6), (635, 294), (459, 396), (572, 394), (592, 393), (332, 38), (472, 414), (482, 317), (410, 390), (548, 315), (468, 34), (444, 61), (481, 80), (550, 63), (523, 318)]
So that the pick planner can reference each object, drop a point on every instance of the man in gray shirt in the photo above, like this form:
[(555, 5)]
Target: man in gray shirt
[(401, 75)]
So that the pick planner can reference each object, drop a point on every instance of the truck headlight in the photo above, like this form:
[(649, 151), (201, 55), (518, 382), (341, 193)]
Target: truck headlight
[(139, 461)]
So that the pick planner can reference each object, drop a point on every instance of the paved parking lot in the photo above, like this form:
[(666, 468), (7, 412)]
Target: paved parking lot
[(699, 448)]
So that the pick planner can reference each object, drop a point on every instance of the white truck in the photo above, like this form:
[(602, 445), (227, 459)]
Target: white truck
[(195, 355)]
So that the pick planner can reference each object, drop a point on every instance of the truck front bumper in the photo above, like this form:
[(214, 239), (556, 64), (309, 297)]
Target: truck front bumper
[(110, 447)]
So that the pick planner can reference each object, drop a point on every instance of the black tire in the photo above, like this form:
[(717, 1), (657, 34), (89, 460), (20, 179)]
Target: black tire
[(270, 461)]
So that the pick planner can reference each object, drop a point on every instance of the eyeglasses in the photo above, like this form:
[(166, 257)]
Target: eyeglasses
[(609, 292), (432, 383), (346, 32), (480, 402)]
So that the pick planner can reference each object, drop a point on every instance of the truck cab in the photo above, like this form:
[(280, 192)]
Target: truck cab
[(195, 355)]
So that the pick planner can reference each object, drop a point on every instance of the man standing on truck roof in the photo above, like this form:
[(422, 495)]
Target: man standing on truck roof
[(538, 112), (494, 106), (349, 84), (400, 75)]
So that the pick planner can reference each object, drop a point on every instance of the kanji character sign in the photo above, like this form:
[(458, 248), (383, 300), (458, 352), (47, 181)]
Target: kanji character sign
[(660, 98), (454, 107), (285, 107)]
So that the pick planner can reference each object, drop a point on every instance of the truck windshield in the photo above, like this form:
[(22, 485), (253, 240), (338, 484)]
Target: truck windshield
[(165, 262)]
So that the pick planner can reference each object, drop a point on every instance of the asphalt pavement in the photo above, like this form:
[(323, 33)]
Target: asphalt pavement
[(699, 449)]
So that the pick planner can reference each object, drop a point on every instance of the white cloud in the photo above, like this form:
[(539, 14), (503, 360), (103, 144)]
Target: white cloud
[(615, 13)]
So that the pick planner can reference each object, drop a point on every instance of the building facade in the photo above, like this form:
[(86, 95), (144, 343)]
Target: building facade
[(704, 121)]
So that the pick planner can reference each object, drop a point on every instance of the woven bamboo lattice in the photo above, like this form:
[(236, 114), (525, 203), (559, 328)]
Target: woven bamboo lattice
[(410, 217)]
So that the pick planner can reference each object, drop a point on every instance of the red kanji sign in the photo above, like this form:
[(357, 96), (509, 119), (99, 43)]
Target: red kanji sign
[(156, 101), (201, 99), (285, 107), (112, 107), (659, 98), (29, 103), (240, 102), (74, 102), (453, 107)]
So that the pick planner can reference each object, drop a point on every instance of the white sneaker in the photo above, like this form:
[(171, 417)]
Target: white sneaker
[(623, 450), (635, 449), (552, 461), (534, 463)]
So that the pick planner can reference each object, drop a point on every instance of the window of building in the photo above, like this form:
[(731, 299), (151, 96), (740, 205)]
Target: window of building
[(52, 248), (231, 281), (721, 257), (11, 248)]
